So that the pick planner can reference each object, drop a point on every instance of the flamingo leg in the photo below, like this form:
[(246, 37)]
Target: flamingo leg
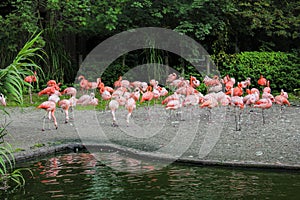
[(43, 129), (239, 121), (114, 124), (44, 120), (72, 112), (30, 95), (209, 114), (128, 117), (67, 116), (263, 116), (49, 117)]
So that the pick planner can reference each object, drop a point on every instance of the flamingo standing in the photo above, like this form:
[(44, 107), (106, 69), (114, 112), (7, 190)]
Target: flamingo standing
[(229, 82), (262, 81), (130, 106), (2, 99), (264, 103), (31, 79), (65, 105), (147, 96), (83, 83), (105, 95), (237, 101), (50, 107), (282, 99), (113, 105), (209, 102)]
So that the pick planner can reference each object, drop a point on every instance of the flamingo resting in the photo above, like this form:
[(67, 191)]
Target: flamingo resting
[(50, 107)]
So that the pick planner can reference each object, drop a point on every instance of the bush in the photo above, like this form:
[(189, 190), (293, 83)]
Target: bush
[(281, 69)]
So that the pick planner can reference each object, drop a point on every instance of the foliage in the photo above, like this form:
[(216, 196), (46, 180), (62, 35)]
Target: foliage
[(7, 164), (12, 85), (281, 69), (12, 77), (73, 28)]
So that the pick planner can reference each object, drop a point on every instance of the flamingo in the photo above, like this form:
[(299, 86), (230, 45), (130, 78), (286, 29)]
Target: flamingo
[(171, 78), (83, 83), (31, 79), (52, 83), (65, 105), (210, 102), (211, 81), (147, 96), (118, 82), (237, 101), (237, 91), (70, 91), (246, 83), (2, 99), (105, 95), (194, 82), (50, 107), (130, 106), (264, 103), (174, 96), (93, 85), (48, 91), (87, 100), (262, 81), (113, 105), (282, 99), (229, 82)]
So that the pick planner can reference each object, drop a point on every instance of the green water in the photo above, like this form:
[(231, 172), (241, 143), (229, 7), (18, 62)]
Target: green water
[(81, 176)]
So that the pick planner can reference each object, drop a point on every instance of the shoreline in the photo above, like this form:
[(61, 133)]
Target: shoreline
[(255, 146)]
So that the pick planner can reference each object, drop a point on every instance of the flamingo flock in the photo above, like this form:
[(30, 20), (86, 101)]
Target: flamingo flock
[(177, 93)]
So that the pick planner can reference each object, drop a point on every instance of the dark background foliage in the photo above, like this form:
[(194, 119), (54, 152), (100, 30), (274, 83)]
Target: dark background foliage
[(245, 38)]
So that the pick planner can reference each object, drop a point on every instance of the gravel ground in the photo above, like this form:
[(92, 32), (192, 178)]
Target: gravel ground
[(191, 134)]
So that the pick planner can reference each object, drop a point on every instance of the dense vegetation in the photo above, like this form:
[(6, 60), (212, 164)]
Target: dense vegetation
[(226, 28)]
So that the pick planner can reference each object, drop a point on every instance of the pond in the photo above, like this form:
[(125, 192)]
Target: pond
[(81, 176)]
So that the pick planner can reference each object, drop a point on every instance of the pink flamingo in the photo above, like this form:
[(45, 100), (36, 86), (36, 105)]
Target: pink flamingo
[(130, 106), (70, 91), (229, 82), (282, 99), (87, 100), (264, 103), (237, 101), (147, 96), (50, 107), (246, 83), (209, 102), (262, 81), (171, 78), (83, 83), (113, 105), (31, 79), (2, 99), (65, 105)]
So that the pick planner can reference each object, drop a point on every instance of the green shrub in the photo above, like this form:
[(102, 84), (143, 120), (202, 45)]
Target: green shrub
[(281, 69)]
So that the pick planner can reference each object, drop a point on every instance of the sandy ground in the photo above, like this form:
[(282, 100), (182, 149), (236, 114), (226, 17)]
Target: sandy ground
[(192, 133)]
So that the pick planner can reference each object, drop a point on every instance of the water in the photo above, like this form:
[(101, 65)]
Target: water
[(81, 176)]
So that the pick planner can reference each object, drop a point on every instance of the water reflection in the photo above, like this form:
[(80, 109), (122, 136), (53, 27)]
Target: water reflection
[(81, 176)]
